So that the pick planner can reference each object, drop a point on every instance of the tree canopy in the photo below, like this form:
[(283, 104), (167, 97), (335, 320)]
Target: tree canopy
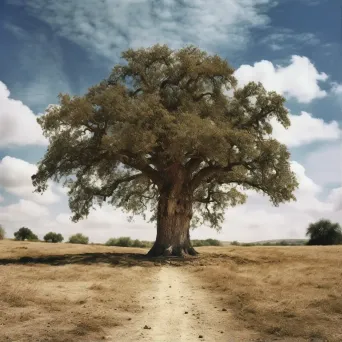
[(163, 121), (25, 233), (79, 239), (2, 232), (53, 237), (324, 232)]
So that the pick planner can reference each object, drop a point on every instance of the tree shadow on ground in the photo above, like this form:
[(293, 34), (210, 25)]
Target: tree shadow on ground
[(114, 259), (134, 259)]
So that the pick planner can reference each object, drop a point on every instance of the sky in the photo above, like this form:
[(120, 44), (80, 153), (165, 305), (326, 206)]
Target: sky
[(291, 46)]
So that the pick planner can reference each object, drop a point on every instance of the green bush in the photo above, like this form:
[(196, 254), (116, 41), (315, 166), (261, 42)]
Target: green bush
[(25, 233), (123, 241), (111, 242), (127, 242), (235, 243), (207, 242), (79, 238), (53, 237), (137, 243), (2, 232)]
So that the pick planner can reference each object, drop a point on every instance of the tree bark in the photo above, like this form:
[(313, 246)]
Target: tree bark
[(173, 226)]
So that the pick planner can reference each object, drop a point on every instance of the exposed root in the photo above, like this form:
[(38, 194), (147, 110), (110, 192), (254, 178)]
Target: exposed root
[(178, 251)]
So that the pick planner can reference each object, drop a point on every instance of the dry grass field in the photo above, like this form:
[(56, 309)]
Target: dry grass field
[(64, 292)]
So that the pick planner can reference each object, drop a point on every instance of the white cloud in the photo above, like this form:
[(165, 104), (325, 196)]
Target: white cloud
[(256, 220), (297, 80), (284, 38), (305, 129), (18, 125), (336, 88), (324, 165), (1, 198), (335, 198), (15, 178), (110, 26), (22, 211)]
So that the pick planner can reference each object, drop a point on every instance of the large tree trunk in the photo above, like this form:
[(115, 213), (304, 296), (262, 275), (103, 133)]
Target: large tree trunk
[(173, 226)]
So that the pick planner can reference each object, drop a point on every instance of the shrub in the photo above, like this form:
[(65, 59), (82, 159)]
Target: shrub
[(124, 242), (137, 243), (235, 243), (213, 242), (2, 232), (25, 233), (79, 238), (207, 242), (53, 237), (111, 242), (127, 242)]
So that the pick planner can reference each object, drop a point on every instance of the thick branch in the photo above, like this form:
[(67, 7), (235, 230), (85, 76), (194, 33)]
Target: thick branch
[(108, 191), (256, 118), (199, 97), (139, 163), (193, 164), (209, 171)]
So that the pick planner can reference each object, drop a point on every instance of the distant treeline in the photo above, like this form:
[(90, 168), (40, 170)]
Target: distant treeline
[(272, 243), (128, 242)]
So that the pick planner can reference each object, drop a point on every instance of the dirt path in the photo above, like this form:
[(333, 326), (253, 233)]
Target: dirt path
[(177, 308)]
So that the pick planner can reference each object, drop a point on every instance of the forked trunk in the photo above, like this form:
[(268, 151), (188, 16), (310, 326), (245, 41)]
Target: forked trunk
[(173, 227)]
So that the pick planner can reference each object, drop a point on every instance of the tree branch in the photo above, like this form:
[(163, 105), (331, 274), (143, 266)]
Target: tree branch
[(255, 119), (199, 97), (209, 171), (108, 191)]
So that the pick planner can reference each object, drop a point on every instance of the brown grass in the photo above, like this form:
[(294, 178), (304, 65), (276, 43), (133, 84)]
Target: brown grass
[(64, 292), (282, 292), (75, 302)]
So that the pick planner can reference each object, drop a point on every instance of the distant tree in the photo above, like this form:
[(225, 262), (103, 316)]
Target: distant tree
[(284, 243), (124, 241), (235, 243), (2, 232), (324, 232), (127, 242), (25, 233), (111, 242), (53, 237), (213, 242), (207, 242), (161, 132), (79, 239)]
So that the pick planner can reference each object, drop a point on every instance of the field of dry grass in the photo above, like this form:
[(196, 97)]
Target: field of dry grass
[(71, 302), (64, 292), (282, 292)]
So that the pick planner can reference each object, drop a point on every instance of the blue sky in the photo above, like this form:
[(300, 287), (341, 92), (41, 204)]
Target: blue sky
[(292, 46)]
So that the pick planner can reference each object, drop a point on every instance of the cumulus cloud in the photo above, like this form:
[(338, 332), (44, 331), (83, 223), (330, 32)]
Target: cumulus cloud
[(306, 129), (15, 178), (336, 88), (22, 211), (18, 125), (335, 198), (324, 164), (298, 80), (110, 26), (256, 220)]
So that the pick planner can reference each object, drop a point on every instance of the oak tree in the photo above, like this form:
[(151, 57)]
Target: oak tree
[(25, 233), (170, 131)]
